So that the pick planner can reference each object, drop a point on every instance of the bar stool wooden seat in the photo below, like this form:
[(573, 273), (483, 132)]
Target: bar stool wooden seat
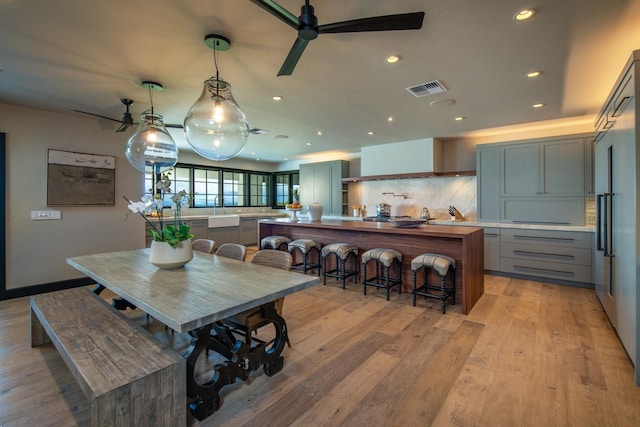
[(274, 242), (385, 259), (442, 265), (305, 247), (342, 252)]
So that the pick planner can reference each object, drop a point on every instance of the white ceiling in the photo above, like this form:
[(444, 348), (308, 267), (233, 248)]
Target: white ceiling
[(68, 54)]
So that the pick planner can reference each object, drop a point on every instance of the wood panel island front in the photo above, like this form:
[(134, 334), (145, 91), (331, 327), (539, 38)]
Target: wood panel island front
[(464, 244)]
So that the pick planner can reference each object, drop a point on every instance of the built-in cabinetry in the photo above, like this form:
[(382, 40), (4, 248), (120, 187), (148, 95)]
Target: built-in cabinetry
[(248, 233), (617, 162), (322, 183), (560, 255), (492, 248), (224, 235), (536, 182), (564, 256)]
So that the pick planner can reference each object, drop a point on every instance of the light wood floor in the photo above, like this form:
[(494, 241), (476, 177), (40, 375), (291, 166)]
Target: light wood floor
[(529, 354)]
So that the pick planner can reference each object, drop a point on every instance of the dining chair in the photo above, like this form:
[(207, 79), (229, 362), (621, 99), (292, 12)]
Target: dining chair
[(203, 245), (251, 320), (232, 250)]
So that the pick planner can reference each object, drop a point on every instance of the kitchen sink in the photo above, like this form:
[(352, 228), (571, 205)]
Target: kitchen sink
[(218, 221)]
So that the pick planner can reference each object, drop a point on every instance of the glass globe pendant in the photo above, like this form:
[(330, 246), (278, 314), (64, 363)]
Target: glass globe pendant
[(151, 149), (215, 126)]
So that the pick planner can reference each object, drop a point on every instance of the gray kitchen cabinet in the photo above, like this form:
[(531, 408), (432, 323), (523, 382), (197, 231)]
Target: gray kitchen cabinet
[(248, 232), (589, 181), (199, 228), (546, 168), (560, 255), (488, 183), (492, 248), (224, 235), (322, 183)]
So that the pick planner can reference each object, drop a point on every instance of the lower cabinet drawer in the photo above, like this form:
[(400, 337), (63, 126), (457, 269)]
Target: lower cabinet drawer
[(560, 254), (554, 270)]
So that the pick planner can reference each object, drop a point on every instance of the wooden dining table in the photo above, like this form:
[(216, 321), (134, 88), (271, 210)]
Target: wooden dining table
[(193, 299)]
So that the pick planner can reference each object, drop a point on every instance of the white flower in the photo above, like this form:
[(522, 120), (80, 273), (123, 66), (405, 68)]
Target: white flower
[(137, 207)]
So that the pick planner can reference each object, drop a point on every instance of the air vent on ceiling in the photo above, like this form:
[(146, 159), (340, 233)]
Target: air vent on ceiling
[(428, 88)]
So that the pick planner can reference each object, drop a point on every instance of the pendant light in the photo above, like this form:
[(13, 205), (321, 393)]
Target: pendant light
[(151, 149), (215, 126)]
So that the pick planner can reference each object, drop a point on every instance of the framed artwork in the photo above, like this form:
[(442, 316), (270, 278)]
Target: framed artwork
[(79, 179)]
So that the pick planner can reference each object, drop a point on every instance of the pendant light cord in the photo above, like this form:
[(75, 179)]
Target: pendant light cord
[(215, 62), (151, 100)]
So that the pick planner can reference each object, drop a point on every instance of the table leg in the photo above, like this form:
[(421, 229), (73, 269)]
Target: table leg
[(241, 357)]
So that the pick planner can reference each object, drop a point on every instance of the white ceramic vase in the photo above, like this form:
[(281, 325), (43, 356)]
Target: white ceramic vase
[(314, 210), (164, 256)]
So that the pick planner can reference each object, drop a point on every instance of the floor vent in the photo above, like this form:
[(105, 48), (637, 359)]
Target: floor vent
[(428, 88)]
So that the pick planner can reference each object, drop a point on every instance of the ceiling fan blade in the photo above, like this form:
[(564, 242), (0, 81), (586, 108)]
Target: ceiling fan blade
[(258, 131), (123, 127), (402, 21), (98, 115), (173, 125), (292, 58), (279, 12)]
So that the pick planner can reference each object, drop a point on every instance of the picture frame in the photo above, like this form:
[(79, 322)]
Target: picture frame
[(80, 179)]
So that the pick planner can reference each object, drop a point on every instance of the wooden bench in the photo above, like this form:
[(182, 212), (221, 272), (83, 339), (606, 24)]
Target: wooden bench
[(128, 376)]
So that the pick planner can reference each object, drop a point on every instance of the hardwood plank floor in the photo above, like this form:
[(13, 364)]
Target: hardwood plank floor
[(528, 354)]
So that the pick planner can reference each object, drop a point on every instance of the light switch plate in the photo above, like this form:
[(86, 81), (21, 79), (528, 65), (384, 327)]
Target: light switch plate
[(42, 215)]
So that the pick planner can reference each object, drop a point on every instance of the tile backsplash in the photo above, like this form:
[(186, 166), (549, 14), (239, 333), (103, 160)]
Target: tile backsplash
[(436, 194)]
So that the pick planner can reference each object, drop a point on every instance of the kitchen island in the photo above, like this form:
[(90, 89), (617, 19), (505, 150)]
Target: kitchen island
[(464, 244)]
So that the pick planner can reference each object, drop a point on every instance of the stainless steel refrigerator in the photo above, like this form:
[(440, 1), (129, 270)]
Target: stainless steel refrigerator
[(616, 263)]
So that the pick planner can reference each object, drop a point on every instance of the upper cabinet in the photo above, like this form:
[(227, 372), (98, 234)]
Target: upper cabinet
[(542, 169), (322, 183), (535, 182)]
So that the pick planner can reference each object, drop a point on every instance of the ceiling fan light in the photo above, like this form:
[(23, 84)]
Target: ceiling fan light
[(151, 149), (215, 126)]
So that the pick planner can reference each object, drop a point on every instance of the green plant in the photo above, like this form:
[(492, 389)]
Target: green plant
[(174, 232)]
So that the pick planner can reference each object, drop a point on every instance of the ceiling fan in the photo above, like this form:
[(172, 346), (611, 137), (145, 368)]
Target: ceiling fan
[(125, 122), (308, 29)]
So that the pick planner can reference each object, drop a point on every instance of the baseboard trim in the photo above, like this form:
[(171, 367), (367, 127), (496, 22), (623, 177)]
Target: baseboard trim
[(48, 287)]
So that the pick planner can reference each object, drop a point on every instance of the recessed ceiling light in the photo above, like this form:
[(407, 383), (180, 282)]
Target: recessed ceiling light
[(371, 132), (389, 119), (524, 14), (457, 119), (320, 133), (308, 143), (534, 74), (277, 98), (539, 105), (392, 59)]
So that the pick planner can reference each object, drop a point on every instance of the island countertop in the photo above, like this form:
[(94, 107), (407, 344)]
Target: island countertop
[(463, 243)]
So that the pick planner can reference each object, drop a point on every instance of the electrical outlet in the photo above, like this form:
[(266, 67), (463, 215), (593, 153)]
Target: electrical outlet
[(43, 215)]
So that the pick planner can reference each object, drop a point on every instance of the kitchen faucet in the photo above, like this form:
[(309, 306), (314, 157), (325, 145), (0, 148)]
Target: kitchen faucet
[(215, 204)]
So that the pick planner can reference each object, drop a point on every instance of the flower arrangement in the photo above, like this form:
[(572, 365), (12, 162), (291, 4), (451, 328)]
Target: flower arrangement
[(172, 233)]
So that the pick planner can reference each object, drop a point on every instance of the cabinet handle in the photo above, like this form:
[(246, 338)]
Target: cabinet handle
[(516, 221), (549, 239), (543, 270), (544, 254), (490, 234)]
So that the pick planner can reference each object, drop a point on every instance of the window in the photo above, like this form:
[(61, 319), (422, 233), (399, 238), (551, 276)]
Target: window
[(180, 180), (206, 185), (284, 184), (233, 190), (259, 189)]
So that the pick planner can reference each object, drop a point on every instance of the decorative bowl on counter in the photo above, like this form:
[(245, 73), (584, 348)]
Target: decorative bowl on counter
[(407, 223)]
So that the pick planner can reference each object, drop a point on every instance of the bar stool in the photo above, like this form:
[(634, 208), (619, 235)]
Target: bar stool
[(385, 259), (274, 242), (341, 251), (305, 247), (441, 265)]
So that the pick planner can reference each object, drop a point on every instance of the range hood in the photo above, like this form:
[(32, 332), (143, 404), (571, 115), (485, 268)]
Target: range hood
[(417, 156)]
